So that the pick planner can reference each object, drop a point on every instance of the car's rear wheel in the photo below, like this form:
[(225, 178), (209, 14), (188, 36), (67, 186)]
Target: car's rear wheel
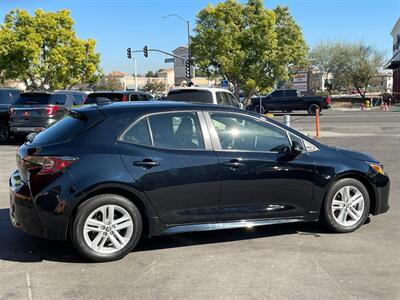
[(106, 227), (313, 108), (259, 109), (346, 206), (4, 132)]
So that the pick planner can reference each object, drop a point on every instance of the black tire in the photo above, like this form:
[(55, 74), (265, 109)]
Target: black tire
[(328, 218), (4, 132), (312, 109), (257, 109), (83, 212)]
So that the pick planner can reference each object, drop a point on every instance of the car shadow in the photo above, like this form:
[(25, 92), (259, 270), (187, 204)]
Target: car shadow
[(20, 247)]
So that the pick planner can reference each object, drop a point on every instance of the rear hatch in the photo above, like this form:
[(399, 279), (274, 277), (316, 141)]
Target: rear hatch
[(34, 109), (37, 156)]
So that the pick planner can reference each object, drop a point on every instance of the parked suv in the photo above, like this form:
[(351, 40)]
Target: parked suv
[(121, 96), (203, 95), (34, 111), (7, 98)]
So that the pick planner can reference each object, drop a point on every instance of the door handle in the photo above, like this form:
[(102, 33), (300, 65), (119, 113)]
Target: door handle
[(146, 163), (234, 164)]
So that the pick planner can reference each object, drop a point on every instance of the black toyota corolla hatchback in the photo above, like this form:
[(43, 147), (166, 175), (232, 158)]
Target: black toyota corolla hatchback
[(106, 175)]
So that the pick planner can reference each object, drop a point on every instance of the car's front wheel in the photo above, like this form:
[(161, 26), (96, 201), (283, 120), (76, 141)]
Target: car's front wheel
[(106, 227), (346, 206)]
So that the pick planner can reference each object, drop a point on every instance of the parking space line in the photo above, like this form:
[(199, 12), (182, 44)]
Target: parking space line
[(28, 283)]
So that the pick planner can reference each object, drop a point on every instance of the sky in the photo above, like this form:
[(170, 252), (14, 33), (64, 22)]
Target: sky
[(119, 24)]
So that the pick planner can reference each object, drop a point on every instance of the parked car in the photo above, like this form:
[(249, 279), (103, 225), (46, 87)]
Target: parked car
[(107, 175), (121, 96), (34, 111), (287, 101), (7, 98), (79, 96), (203, 95)]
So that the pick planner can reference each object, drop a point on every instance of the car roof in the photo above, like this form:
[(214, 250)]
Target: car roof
[(215, 89), (117, 107), (120, 92)]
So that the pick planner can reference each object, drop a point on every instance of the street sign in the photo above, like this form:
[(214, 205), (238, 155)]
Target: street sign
[(169, 60), (224, 83)]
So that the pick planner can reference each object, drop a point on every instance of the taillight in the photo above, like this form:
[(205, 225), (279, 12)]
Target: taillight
[(328, 100), (123, 98), (48, 165), (51, 109)]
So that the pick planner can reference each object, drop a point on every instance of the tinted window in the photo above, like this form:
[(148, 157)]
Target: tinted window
[(79, 98), (115, 97), (60, 99), (143, 97), (33, 98), (190, 95), (15, 95), (61, 131), (5, 97), (135, 97), (138, 134), (237, 132), (179, 130), (290, 93), (277, 94)]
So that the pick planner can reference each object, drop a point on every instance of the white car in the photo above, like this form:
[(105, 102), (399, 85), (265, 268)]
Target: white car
[(203, 95)]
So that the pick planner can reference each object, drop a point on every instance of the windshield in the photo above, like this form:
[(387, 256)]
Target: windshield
[(190, 96)]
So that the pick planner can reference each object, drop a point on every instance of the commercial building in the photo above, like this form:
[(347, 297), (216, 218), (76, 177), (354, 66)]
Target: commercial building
[(394, 62)]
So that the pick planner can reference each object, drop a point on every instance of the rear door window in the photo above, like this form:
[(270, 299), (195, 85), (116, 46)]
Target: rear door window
[(78, 98), (180, 130), (290, 93), (190, 95)]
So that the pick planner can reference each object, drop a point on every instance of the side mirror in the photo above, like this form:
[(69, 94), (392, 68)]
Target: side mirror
[(296, 148)]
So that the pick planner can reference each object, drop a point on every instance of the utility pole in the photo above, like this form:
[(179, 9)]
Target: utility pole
[(129, 52)]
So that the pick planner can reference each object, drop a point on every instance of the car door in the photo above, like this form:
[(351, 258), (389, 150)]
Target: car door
[(170, 158), (291, 100), (258, 179)]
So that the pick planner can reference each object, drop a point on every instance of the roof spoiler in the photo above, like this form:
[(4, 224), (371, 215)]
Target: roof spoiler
[(78, 114)]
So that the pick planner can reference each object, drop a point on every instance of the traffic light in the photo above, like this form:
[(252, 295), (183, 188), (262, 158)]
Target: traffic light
[(187, 68), (129, 53), (145, 51)]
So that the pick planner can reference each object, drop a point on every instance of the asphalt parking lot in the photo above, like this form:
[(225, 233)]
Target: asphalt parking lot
[(301, 261)]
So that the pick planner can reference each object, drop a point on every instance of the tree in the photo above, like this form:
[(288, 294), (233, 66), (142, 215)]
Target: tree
[(110, 83), (352, 65), (150, 74), (248, 44), (43, 51), (154, 86)]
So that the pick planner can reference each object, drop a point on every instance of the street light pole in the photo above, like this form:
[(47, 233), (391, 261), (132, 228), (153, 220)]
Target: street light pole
[(136, 83), (188, 36)]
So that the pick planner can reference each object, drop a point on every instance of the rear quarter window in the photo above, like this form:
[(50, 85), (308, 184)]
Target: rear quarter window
[(202, 96)]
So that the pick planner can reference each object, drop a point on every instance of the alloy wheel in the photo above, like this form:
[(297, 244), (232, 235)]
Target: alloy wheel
[(348, 206), (108, 229)]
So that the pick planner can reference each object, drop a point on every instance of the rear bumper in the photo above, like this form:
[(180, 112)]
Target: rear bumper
[(45, 214), (23, 214), (28, 126), (25, 130)]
